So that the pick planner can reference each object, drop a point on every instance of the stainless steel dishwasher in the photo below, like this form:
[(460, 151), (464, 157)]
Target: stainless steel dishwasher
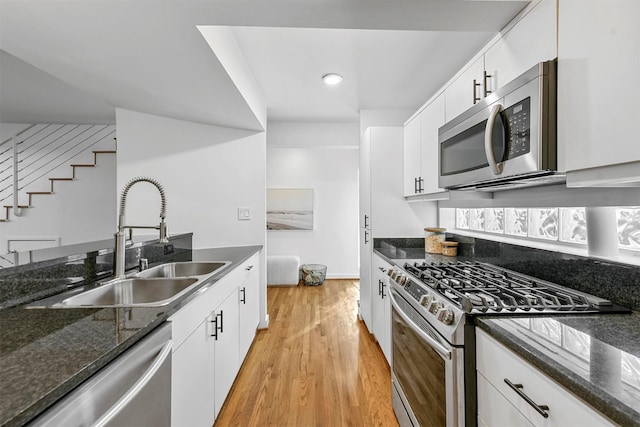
[(133, 390)]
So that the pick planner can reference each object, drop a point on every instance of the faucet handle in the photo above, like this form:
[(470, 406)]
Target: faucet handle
[(143, 263)]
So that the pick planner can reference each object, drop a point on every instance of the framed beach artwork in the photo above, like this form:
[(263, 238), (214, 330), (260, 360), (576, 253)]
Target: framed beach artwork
[(290, 208)]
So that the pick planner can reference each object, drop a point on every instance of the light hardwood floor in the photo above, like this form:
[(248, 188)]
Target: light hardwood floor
[(316, 365)]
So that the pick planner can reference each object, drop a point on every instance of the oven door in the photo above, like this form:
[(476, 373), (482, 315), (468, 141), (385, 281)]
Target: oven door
[(428, 373)]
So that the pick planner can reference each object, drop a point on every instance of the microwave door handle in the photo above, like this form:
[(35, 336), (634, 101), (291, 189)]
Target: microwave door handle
[(496, 168)]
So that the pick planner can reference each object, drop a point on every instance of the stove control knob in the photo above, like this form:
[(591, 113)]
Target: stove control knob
[(393, 274), (400, 279), (425, 300), (435, 306), (446, 315)]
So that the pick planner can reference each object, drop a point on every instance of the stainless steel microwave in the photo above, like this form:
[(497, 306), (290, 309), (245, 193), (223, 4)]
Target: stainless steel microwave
[(506, 140)]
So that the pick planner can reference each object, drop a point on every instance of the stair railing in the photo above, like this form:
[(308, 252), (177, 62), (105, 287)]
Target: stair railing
[(14, 165), (31, 158)]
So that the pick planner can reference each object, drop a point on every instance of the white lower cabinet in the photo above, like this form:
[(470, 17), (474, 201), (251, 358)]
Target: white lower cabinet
[(248, 298), (211, 337), (499, 404), (381, 305), (226, 348)]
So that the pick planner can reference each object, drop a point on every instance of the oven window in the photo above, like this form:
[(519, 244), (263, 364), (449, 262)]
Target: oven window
[(464, 152), (420, 372)]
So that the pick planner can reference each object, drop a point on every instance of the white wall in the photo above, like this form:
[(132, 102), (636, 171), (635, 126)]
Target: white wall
[(208, 172), (370, 118), (322, 156)]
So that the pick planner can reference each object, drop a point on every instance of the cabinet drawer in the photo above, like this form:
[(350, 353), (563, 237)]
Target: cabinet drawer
[(380, 265), (494, 410), (247, 268), (189, 317), (495, 363)]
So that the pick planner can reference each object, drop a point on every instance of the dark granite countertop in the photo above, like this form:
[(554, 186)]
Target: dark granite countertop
[(590, 355), (45, 353)]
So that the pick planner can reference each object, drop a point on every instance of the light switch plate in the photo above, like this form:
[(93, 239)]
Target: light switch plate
[(244, 214)]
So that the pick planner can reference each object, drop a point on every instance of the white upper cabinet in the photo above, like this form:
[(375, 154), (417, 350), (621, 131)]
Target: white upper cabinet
[(412, 155), (391, 216), (465, 90), (431, 118), (527, 40), (532, 39), (421, 149), (599, 92)]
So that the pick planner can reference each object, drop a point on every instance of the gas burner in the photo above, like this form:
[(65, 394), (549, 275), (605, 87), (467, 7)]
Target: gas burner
[(479, 288)]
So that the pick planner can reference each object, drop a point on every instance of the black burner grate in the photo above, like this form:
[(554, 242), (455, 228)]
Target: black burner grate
[(480, 287)]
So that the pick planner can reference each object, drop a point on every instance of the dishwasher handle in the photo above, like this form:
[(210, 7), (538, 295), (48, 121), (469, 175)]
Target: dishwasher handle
[(137, 387)]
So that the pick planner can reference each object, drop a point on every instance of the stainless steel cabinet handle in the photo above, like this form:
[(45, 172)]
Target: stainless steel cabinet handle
[(420, 186), (366, 220), (496, 168), (476, 98), (136, 388), (221, 314), (382, 269), (541, 409), (486, 78), (243, 298), (249, 268), (214, 334), (382, 292), (366, 237)]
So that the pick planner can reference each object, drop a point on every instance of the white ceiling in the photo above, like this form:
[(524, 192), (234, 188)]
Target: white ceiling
[(148, 56)]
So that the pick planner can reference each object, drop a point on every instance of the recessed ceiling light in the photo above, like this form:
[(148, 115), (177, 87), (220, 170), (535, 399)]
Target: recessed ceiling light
[(331, 79)]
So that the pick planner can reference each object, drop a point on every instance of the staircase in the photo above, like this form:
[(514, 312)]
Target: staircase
[(9, 208), (29, 159), (66, 187)]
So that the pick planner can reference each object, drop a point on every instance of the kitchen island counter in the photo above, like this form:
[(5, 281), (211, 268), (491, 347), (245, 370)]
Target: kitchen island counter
[(46, 353)]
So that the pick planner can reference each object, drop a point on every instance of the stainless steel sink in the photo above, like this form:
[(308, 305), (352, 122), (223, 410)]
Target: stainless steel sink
[(136, 292), (184, 269)]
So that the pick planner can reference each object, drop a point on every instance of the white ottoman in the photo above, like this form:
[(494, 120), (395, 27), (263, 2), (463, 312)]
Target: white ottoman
[(283, 270)]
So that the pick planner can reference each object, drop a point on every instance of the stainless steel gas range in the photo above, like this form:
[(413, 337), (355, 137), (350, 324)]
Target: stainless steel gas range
[(433, 337)]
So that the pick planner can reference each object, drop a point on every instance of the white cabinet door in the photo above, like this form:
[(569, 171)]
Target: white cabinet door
[(463, 92), (365, 278), (364, 177), (192, 380), (431, 118), (391, 215), (382, 306), (412, 156), (226, 348), (248, 298), (598, 86), (530, 41)]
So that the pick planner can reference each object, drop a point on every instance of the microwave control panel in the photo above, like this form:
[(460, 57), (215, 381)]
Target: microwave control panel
[(518, 122)]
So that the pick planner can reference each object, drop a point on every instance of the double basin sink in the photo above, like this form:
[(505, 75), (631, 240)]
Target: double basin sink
[(155, 287)]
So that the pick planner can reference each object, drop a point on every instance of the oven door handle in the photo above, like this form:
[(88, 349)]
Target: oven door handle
[(496, 168), (439, 348)]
